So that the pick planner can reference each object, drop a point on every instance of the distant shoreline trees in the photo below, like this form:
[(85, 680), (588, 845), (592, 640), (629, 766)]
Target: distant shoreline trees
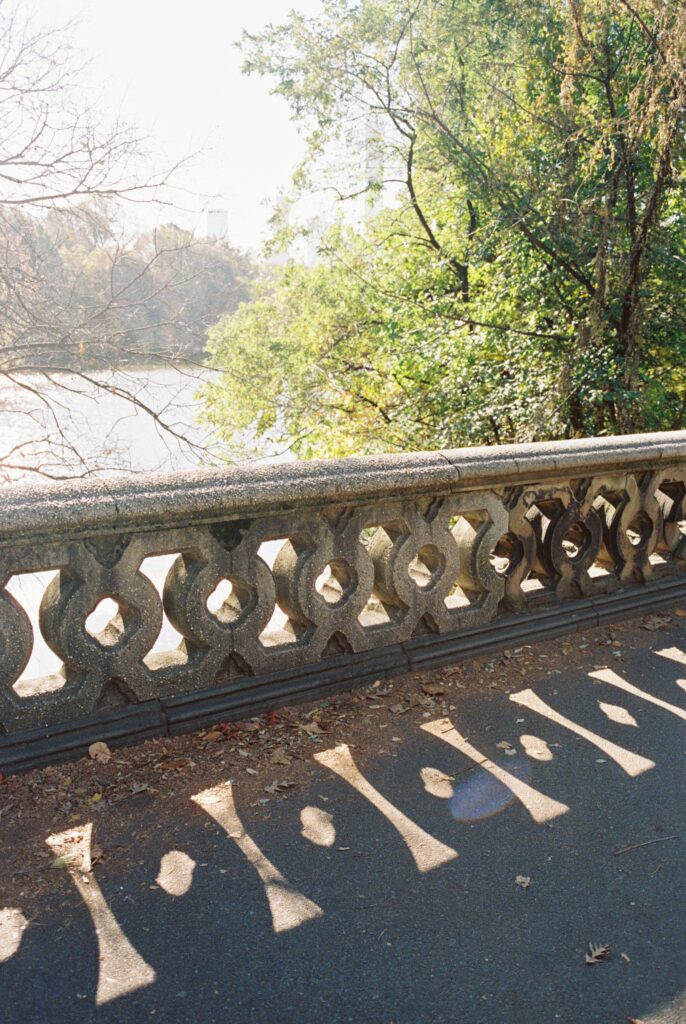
[(77, 296), (77, 293)]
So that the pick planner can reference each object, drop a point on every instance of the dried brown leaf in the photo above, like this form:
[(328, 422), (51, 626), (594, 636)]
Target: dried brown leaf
[(312, 729), (433, 689), (279, 787)]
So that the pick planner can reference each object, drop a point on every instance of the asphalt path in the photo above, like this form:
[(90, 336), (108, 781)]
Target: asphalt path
[(424, 889)]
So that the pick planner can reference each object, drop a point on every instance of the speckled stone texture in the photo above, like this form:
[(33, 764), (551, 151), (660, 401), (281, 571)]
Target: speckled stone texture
[(374, 555)]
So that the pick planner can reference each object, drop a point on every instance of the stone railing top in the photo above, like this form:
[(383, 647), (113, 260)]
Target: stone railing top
[(148, 501)]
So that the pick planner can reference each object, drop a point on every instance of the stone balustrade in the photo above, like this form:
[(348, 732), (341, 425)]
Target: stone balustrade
[(288, 581)]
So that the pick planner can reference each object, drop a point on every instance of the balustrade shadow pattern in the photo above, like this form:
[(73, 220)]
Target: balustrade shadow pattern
[(284, 582), (386, 889)]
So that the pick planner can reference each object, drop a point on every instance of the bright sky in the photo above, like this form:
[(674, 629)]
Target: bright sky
[(172, 68)]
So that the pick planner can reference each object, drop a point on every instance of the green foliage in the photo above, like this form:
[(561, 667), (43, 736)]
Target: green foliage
[(528, 279)]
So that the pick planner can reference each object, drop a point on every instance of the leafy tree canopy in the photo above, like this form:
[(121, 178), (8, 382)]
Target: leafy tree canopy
[(527, 279)]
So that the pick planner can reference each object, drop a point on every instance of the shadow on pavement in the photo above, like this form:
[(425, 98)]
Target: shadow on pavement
[(460, 876)]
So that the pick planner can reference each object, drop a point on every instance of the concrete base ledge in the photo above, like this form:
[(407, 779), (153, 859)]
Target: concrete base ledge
[(257, 695)]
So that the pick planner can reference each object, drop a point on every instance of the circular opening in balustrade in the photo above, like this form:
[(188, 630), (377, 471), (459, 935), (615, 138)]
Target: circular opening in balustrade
[(639, 529), (336, 582), (507, 554), (229, 600), (426, 566), (106, 622), (575, 541)]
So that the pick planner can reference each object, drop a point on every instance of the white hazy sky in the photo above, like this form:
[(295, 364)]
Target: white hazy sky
[(171, 67)]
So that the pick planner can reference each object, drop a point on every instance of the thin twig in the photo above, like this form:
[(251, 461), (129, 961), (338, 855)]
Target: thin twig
[(647, 842)]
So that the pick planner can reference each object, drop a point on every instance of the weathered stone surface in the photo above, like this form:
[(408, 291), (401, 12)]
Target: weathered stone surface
[(373, 554)]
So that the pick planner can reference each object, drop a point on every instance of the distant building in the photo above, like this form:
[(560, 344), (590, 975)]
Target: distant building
[(217, 223), (374, 140)]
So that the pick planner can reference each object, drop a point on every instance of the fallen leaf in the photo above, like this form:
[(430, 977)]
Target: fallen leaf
[(279, 756), (99, 752), (681, 613), (175, 764), (378, 690), (96, 798), (523, 880), (653, 622), (251, 771), (312, 729), (433, 689), (504, 745), (398, 709), (625, 957), (279, 787), (596, 953), (213, 736)]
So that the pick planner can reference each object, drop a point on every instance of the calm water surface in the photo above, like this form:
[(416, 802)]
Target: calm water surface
[(74, 422)]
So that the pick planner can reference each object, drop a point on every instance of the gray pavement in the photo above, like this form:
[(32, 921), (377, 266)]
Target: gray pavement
[(373, 939)]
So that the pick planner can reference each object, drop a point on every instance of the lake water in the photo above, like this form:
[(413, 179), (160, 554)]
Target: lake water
[(132, 420)]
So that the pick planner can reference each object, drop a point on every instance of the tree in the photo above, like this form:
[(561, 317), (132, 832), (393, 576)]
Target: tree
[(77, 293), (528, 280)]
